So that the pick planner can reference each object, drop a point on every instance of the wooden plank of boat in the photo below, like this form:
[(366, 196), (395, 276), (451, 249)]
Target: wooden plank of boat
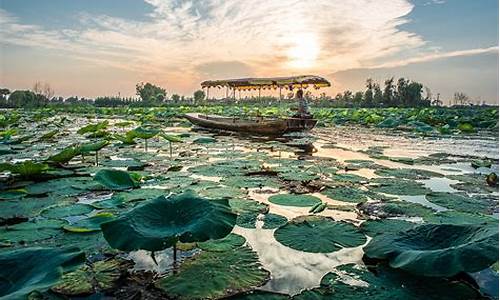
[(262, 126)]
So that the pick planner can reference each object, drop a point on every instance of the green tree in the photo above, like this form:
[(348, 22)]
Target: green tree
[(378, 97), (413, 95), (369, 92), (23, 99), (358, 98), (198, 96), (176, 98), (388, 94), (150, 93)]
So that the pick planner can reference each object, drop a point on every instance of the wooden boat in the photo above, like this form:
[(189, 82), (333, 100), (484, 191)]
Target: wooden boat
[(260, 126)]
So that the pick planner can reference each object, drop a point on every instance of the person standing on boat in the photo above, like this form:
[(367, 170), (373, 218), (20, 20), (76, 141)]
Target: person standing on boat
[(303, 110)]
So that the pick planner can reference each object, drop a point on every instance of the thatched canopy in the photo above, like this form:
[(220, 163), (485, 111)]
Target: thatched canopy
[(269, 83)]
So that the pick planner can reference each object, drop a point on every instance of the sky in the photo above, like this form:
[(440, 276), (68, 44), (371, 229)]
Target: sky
[(96, 48)]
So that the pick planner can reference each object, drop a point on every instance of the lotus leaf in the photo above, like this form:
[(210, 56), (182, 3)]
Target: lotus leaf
[(346, 194), (31, 231), (454, 248), (116, 179), (204, 140), (394, 208), (93, 147), (260, 295), (93, 127), (297, 175), (415, 174), (64, 155), (349, 178), (472, 183), (223, 192), (329, 235), (395, 186), (381, 226), (272, 221), (66, 210), (25, 208), (352, 282), (231, 241), (159, 223), (145, 133), (462, 202), (250, 181), (456, 217), (294, 200), (27, 169), (213, 275), (63, 186), (35, 269), (90, 224), (466, 128), (98, 276)]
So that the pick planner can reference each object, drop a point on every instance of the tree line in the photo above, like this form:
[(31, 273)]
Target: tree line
[(393, 93)]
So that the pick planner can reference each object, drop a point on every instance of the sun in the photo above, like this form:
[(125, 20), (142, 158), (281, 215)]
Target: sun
[(304, 51)]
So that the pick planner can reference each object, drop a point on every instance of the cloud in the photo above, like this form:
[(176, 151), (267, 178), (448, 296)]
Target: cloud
[(190, 40), (435, 56)]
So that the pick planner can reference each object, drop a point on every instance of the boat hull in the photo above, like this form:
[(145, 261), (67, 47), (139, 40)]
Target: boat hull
[(259, 126)]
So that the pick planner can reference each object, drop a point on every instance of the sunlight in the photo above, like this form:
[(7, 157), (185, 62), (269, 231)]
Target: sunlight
[(304, 51)]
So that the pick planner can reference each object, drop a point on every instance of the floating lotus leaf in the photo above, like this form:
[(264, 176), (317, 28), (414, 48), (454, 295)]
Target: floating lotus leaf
[(27, 207), (297, 175), (381, 226), (472, 183), (139, 194), (35, 269), (160, 223), (415, 174), (479, 163), (12, 194), (93, 127), (260, 295), (346, 194), (93, 147), (454, 248), (65, 155), (462, 202), (27, 169), (395, 186), (353, 282), (64, 186), (90, 242), (116, 179), (250, 181), (403, 160), (204, 140), (223, 192), (349, 178), (130, 164), (231, 241), (227, 168), (98, 276), (272, 221), (31, 231), (90, 224), (456, 217), (247, 219), (294, 200), (389, 209), (214, 275), (248, 211), (49, 135), (362, 164), (66, 210), (329, 235)]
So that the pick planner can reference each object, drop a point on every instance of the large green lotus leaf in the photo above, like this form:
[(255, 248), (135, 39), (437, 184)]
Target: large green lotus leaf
[(27, 169), (250, 182), (381, 226), (454, 248), (259, 295), (160, 223), (67, 210), (25, 208), (12, 194), (90, 224), (349, 178), (93, 127), (214, 275), (329, 235), (298, 175), (219, 192), (472, 183), (231, 241), (247, 219), (65, 155), (353, 282), (31, 231), (98, 276), (139, 194), (395, 186), (116, 180), (248, 211), (145, 133), (414, 174), (91, 242), (294, 200), (64, 186), (390, 209), (456, 217), (93, 147), (362, 164), (272, 221), (462, 202), (29, 269), (204, 140), (346, 194)]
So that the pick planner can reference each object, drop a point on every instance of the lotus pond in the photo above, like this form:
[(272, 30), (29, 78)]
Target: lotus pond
[(105, 206)]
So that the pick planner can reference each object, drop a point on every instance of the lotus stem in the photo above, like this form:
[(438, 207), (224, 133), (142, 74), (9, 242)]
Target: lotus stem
[(97, 158), (170, 145), (83, 158), (146, 145), (174, 264)]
